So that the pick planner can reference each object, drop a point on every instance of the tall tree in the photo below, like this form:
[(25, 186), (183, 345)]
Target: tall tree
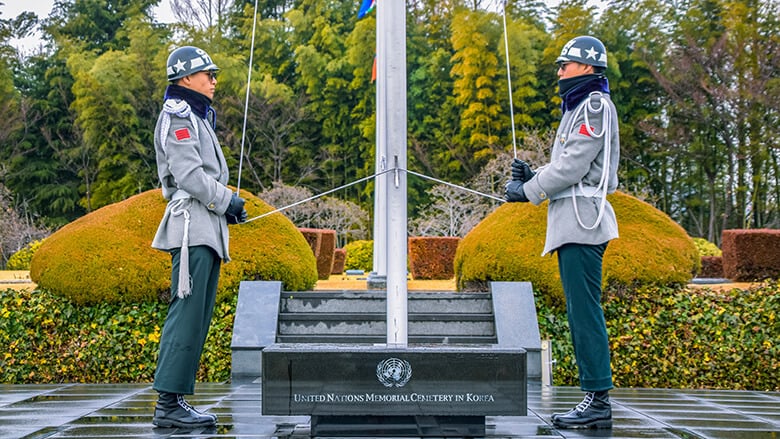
[(116, 100), (93, 24), (325, 75), (475, 36)]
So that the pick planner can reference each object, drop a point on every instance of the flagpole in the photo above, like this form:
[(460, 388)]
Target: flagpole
[(378, 277), (391, 125)]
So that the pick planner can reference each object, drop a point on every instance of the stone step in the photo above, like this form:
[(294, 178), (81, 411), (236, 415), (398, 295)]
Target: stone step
[(350, 315), (382, 338), (382, 316), (357, 327), (347, 301)]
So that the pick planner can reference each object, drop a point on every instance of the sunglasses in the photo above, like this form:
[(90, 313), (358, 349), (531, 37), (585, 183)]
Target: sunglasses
[(212, 74), (562, 66)]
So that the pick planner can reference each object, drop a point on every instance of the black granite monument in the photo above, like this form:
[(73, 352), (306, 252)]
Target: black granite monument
[(443, 383)]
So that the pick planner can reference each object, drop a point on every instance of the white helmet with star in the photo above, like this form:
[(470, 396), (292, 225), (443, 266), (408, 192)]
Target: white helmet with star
[(187, 60), (584, 50)]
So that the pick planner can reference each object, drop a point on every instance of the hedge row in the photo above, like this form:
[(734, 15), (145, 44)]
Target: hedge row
[(50, 339), (683, 338), (662, 338)]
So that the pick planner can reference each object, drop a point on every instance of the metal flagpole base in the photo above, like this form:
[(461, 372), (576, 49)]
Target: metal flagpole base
[(376, 281)]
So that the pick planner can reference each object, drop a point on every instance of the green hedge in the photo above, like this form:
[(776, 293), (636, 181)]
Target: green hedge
[(661, 338), (682, 338), (50, 339)]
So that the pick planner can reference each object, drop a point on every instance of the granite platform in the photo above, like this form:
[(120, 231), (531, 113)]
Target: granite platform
[(125, 411)]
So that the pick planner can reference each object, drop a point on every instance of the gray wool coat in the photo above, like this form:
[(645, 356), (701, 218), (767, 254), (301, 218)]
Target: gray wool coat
[(191, 165), (578, 156)]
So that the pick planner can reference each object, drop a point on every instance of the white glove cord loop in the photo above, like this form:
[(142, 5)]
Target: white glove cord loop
[(601, 189)]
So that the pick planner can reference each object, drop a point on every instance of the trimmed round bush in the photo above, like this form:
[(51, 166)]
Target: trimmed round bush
[(507, 244), (21, 259), (360, 255), (707, 248), (106, 255)]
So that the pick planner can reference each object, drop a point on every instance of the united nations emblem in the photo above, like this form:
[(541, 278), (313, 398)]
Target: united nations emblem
[(393, 372)]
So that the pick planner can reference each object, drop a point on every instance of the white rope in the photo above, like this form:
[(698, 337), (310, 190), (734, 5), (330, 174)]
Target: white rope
[(606, 129), (509, 85), (180, 109), (368, 178), (319, 195), (246, 103), (463, 188)]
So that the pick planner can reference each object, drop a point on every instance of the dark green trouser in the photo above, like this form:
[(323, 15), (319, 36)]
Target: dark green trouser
[(187, 323), (580, 269)]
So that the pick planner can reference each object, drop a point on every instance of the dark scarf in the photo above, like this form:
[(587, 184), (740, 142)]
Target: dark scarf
[(199, 104), (574, 90)]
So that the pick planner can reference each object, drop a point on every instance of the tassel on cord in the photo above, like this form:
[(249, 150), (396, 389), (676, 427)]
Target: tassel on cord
[(179, 204), (185, 287)]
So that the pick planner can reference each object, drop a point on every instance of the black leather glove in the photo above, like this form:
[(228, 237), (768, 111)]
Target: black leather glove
[(514, 192), (521, 171), (235, 212)]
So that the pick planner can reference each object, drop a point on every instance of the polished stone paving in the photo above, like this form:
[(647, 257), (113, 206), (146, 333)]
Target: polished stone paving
[(124, 411)]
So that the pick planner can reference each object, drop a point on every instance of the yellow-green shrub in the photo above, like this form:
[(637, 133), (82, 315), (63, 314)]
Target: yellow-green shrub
[(506, 246), (21, 259), (360, 255), (106, 256), (707, 248)]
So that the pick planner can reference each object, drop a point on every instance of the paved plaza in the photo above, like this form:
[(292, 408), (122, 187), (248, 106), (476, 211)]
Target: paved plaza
[(125, 411)]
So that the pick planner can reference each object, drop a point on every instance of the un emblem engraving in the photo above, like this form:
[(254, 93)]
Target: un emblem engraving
[(393, 372)]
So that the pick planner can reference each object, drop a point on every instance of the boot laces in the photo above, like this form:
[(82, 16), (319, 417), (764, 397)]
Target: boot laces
[(586, 402), (185, 405)]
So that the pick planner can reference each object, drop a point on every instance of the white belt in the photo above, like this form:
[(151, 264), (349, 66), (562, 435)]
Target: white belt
[(579, 191)]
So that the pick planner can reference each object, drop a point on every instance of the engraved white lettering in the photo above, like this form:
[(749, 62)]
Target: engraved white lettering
[(298, 397), (470, 397)]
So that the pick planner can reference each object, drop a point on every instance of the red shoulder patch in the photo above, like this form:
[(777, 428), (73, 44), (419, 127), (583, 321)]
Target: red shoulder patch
[(182, 133), (584, 130)]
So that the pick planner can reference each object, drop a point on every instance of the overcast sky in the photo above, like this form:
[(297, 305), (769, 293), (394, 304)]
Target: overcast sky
[(42, 8)]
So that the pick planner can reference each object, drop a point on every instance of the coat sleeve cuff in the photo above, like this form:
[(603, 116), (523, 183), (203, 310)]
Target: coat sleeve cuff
[(534, 191), (221, 200)]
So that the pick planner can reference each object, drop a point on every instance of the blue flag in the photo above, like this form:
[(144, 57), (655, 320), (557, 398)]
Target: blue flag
[(366, 7)]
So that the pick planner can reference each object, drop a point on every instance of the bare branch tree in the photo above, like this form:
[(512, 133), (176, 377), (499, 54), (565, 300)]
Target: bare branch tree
[(204, 14), (348, 220)]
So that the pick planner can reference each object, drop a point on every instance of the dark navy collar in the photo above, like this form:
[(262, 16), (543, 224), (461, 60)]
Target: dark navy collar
[(574, 90), (199, 104)]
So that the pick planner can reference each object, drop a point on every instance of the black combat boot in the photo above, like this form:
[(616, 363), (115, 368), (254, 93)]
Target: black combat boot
[(594, 411), (173, 411)]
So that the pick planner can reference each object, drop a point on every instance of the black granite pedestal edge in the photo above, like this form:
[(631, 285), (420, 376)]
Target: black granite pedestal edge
[(394, 426)]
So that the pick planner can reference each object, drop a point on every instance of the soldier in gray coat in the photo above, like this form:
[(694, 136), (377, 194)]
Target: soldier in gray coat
[(580, 220), (194, 175)]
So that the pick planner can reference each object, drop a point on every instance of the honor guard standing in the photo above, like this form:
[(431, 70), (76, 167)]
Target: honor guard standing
[(194, 175), (580, 220)]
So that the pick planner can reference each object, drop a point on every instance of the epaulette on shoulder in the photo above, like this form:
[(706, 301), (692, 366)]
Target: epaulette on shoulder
[(595, 105), (177, 107)]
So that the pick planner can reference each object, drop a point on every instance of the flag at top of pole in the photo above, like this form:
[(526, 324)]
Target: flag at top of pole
[(366, 7)]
